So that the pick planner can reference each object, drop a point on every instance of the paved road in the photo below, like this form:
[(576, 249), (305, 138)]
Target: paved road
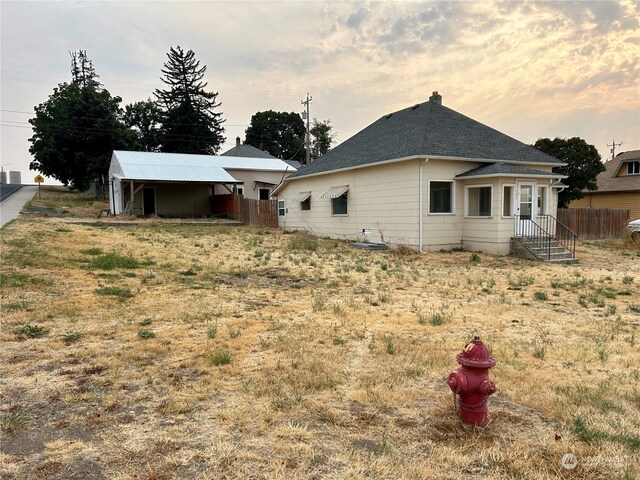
[(10, 207), (8, 189)]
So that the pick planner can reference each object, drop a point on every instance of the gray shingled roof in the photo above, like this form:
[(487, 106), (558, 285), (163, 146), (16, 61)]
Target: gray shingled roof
[(426, 129), (501, 168), (246, 151)]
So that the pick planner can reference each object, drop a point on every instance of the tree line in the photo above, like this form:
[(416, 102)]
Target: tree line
[(77, 128)]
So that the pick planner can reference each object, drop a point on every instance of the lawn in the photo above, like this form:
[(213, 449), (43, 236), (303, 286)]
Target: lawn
[(156, 349)]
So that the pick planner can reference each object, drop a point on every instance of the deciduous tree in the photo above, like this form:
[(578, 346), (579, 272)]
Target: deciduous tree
[(583, 165), (144, 118), (322, 137), (76, 130), (279, 133)]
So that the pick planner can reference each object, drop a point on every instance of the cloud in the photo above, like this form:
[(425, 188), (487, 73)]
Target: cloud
[(356, 19)]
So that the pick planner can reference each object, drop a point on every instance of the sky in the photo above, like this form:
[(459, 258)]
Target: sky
[(529, 69)]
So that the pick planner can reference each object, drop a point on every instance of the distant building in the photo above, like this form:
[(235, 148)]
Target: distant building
[(618, 186), (15, 177), (3, 177), (249, 151)]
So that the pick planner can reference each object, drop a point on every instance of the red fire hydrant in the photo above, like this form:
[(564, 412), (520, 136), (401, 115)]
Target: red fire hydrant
[(470, 383)]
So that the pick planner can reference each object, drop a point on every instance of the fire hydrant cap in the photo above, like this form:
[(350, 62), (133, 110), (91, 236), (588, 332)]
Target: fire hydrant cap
[(475, 355)]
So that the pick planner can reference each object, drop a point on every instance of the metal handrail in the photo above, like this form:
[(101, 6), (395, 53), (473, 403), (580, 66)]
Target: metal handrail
[(548, 229)]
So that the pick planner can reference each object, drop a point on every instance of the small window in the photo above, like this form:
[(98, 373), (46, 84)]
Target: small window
[(306, 204), (507, 200), (633, 168), (240, 190), (542, 200), (479, 201), (282, 210), (339, 204), (440, 197), (264, 193)]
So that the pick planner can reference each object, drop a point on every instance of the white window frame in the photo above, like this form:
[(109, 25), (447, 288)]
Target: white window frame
[(545, 200), (512, 200), (453, 197), (282, 208), (347, 205), (631, 168), (466, 200)]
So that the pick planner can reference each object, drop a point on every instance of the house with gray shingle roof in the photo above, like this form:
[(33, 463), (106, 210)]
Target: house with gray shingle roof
[(618, 186), (427, 177)]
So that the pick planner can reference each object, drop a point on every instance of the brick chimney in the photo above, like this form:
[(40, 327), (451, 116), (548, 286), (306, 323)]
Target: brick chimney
[(436, 98), (237, 146)]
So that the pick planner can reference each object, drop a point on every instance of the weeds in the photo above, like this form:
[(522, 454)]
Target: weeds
[(71, 337), (146, 334), (12, 422), (220, 356), (540, 296), (388, 345), (112, 261), (92, 251), (32, 331), (303, 241), (120, 292)]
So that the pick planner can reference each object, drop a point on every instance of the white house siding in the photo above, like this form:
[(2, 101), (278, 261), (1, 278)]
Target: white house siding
[(248, 177), (444, 231), (385, 200), (382, 200)]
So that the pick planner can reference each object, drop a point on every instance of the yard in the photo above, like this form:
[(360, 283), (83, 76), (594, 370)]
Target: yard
[(153, 349)]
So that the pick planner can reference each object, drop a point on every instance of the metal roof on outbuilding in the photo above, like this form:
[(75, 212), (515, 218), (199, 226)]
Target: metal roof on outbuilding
[(180, 167)]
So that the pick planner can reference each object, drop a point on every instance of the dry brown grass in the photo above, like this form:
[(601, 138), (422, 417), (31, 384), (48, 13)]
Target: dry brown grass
[(338, 357)]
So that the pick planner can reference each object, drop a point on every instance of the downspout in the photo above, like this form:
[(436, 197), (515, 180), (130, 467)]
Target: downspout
[(420, 205)]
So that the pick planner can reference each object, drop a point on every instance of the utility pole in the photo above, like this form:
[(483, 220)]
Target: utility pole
[(613, 148), (308, 136)]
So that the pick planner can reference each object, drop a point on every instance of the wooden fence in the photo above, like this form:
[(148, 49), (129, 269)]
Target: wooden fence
[(260, 213), (595, 223)]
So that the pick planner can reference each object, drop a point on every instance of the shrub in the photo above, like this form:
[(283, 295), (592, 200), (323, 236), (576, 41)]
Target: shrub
[(474, 258), (542, 296)]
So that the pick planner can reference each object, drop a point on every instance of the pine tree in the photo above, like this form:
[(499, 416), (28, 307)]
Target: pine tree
[(189, 122)]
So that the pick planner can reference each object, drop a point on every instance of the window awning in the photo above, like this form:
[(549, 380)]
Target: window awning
[(301, 197), (335, 192)]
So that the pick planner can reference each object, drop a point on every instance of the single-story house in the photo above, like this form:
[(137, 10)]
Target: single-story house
[(244, 150), (618, 186), (176, 184), (426, 177)]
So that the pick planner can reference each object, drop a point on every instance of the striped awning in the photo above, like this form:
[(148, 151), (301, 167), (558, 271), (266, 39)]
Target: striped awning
[(335, 192), (301, 197)]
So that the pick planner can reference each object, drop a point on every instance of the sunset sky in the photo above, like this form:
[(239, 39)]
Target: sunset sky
[(528, 69)]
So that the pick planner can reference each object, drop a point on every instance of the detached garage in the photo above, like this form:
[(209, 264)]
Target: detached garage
[(181, 185)]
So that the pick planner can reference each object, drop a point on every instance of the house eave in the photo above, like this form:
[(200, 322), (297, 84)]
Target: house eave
[(418, 157), (524, 175)]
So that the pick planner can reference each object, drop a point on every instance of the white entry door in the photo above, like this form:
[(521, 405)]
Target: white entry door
[(525, 209)]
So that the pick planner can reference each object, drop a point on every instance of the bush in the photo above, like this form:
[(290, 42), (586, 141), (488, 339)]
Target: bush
[(32, 331)]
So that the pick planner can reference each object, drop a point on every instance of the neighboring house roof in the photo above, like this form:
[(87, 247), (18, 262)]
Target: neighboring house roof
[(429, 130), (180, 167), (608, 181), (248, 151), (500, 169)]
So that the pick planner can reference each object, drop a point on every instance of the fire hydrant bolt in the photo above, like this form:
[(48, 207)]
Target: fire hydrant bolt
[(470, 382)]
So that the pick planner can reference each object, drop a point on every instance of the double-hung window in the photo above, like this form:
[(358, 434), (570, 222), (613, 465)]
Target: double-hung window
[(507, 200), (542, 200), (478, 201), (282, 208)]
